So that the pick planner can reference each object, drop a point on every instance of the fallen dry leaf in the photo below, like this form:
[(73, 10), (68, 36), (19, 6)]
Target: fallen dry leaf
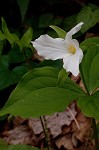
[(54, 122), (19, 135), (64, 141), (35, 125), (85, 126)]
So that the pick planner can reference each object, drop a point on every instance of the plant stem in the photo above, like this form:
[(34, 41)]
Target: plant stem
[(95, 134), (27, 60), (43, 122)]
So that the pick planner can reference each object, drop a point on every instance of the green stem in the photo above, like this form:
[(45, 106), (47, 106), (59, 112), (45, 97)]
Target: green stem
[(27, 60), (43, 122), (95, 134)]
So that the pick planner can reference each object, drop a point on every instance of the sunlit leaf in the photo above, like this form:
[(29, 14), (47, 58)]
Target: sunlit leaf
[(26, 38), (61, 33), (12, 38)]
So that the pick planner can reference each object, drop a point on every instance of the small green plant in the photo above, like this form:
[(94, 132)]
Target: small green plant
[(13, 61), (45, 90)]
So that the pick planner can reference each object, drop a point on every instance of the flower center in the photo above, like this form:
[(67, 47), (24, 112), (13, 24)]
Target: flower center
[(72, 49)]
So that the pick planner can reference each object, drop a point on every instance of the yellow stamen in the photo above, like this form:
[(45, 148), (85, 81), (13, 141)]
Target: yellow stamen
[(72, 49)]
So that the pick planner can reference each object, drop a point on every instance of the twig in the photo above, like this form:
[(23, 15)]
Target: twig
[(73, 118)]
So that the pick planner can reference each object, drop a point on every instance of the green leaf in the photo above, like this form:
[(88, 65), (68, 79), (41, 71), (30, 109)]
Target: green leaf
[(5, 146), (71, 85), (56, 64), (26, 38), (69, 23), (1, 46), (61, 33), (45, 20), (86, 44), (21, 147), (9, 77), (89, 105), (15, 55), (12, 38), (38, 93), (6, 31), (92, 17), (94, 74), (62, 76), (23, 5), (2, 37), (86, 65)]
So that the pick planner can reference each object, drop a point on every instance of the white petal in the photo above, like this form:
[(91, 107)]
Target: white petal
[(74, 30), (72, 42), (50, 48), (72, 62), (80, 55)]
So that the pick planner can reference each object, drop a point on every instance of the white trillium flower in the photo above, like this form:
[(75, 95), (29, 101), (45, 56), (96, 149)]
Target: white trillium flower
[(57, 48)]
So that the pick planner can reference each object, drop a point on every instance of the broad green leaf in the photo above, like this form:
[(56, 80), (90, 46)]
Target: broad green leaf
[(94, 74), (38, 93), (26, 38), (89, 105), (92, 17), (23, 5), (61, 33), (71, 85), (86, 64)]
